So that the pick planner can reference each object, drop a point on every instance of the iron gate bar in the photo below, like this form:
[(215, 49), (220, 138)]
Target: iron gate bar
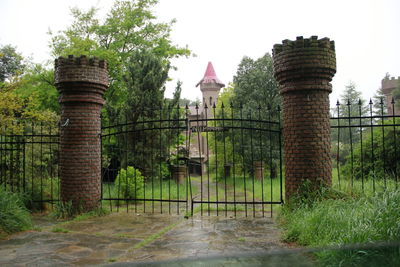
[(233, 160), (361, 143), (208, 163), (377, 122), (255, 129), (383, 142), (395, 141)]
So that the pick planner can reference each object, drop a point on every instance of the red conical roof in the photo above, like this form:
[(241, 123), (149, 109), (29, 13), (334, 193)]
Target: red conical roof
[(210, 76)]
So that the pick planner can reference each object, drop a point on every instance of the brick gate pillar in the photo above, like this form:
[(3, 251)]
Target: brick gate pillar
[(81, 83), (304, 69)]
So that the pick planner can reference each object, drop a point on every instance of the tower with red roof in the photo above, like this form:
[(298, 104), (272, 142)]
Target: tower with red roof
[(210, 86)]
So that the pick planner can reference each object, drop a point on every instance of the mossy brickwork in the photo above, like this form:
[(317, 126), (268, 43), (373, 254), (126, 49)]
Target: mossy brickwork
[(304, 69), (81, 82)]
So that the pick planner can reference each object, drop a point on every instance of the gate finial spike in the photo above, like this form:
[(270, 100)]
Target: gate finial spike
[(370, 101)]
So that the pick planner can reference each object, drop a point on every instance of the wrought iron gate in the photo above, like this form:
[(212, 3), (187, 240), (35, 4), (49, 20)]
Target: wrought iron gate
[(194, 159)]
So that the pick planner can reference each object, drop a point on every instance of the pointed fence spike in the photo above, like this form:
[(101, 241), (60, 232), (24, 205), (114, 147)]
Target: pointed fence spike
[(205, 105), (370, 101), (381, 101), (186, 106), (222, 105), (337, 103), (214, 105), (348, 102), (393, 100), (359, 101), (231, 104), (197, 106)]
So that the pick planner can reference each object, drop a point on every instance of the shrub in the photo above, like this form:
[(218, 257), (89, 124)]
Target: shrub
[(14, 216), (129, 182), (380, 153)]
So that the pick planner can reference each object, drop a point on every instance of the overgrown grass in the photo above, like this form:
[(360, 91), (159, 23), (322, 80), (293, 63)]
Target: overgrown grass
[(360, 187), (65, 210), (14, 216), (329, 218)]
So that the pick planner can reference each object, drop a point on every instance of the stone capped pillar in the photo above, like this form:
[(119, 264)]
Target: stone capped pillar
[(81, 82), (304, 69)]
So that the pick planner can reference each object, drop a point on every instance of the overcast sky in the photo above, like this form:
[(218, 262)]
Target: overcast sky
[(366, 33)]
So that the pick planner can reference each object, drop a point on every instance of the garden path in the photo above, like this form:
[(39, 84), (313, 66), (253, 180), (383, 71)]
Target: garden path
[(127, 237)]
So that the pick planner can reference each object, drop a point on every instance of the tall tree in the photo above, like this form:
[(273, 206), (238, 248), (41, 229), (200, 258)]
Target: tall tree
[(379, 102), (255, 96), (352, 106), (255, 83), (144, 81), (10, 62), (129, 26), (38, 83)]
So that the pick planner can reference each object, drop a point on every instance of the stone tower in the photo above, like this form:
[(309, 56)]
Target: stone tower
[(210, 86), (81, 82), (304, 69), (388, 86)]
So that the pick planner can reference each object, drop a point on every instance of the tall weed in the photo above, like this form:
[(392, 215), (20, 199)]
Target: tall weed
[(327, 222), (14, 216)]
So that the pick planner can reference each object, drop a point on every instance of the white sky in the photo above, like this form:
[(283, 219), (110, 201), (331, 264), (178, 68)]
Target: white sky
[(366, 33)]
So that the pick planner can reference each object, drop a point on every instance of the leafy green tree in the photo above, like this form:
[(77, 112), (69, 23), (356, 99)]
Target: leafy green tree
[(223, 146), (10, 62), (130, 26), (38, 83), (351, 107), (144, 81), (255, 84), (377, 156), (379, 103), (256, 94)]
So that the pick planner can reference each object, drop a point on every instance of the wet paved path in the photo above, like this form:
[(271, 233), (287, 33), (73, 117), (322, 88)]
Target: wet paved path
[(126, 237)]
